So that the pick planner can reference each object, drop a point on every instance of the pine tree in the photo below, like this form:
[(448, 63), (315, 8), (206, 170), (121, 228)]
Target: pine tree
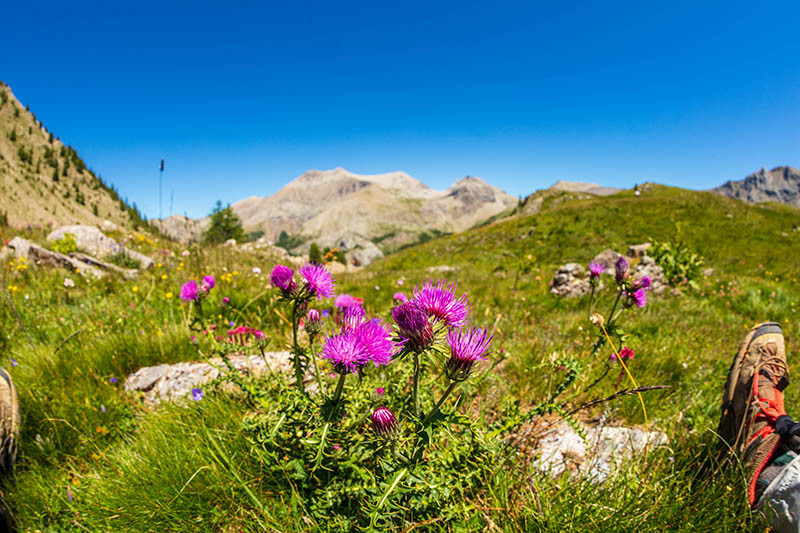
[(225, 224), (314, 253)]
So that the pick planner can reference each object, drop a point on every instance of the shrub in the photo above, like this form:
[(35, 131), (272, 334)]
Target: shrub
[(314, 253), (681, 265)]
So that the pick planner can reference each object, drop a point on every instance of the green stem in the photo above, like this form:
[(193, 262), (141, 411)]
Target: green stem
[(614, 307), (439, 403), (591, 301), (415, 389), (316, 368), (298, 368), (338, 392)]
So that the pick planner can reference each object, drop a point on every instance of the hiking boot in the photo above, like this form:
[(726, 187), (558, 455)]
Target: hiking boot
[(9, 423), (753, 401)]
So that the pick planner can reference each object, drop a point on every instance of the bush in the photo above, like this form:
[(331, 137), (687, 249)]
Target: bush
[(314, 253), (225, 224), (681, 265)]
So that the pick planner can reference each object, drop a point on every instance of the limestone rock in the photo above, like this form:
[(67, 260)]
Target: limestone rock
[(90, 239), (648, 267), (638, 250), (562, 449), (607, 258), (37, 255), (170, 382), (571, 280)]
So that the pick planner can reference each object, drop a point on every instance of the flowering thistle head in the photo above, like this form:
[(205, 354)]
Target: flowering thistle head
[(353, 348), (400, 297), (352, 316), (595, 269), (343, 301), (440, 303), (319, 281), (416, 332), (312, 316), (313, 325), (467, 347), (225, 300), (282, 278), (190, 292), (638, 297), (208, 283), (621, 268), (625, 353), (642, 283), (383, 422)]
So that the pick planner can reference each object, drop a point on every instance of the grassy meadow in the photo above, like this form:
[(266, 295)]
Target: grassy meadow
[(93, 458)]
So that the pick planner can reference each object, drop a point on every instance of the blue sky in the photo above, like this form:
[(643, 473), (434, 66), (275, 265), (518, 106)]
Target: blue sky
[(241, 97)]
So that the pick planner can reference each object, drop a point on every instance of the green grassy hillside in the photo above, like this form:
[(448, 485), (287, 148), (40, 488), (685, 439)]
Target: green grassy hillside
[(93, 458)]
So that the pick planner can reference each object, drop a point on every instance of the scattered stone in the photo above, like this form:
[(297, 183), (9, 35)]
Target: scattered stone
[(127, 273), (230, 242), (44, 257), (607, 258), (170, 382), (638, 250), (441, 269), (648, 267), (708, 272), (562, 449), (571, 280), (107, 225)]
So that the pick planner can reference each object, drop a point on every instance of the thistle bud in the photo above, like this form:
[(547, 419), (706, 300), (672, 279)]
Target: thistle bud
[(313, 322), (383, 421), (621, 269)]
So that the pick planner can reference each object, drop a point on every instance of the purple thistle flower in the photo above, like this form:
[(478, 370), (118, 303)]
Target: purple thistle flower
[(197, 394), (642, 283), (282, 278), (621, 268), (226, 300), (383, 421), (312, 316), (596, 269), (380, 391), (352, 316), (353, 348), (189, 291), (639, 297), (439, 301), (467, 347), (416, 332), (319, 281), (208, 283), (376, 340), (400, 297), (343, 301)]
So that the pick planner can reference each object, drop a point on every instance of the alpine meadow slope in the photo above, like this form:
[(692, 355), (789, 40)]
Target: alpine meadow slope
[(45, 182)]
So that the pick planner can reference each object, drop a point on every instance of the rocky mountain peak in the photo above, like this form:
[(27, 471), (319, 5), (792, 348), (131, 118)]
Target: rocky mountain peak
[(781, 184)]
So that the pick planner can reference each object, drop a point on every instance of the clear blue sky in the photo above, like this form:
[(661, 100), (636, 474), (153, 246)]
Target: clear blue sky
[(241, 97)]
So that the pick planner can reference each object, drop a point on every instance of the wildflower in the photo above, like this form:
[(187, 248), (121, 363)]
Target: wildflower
[(68, 282), (352, 349), (281, 278), (596, 269), (439, 301), (230, 323), (256, 271), (336, 447), (343, 301), (208, 283), (625, 353), (319, 281), (597, 319), (400, 297), (226, 300), (135, 288), (197, 394), (168, 296), (383, 421), (416, 332), (467, 347), (325, 313), (69, 492), (642, 283), (112, 379), (102, 408), (313, 315), (14, 362), (639, 297), (190, 291), (621, 269), (380, 391), (185, 253), (164, 276), (352, 316), (400, 282), (243, 334)]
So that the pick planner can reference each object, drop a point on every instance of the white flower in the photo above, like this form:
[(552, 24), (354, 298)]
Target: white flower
[(256, 271), (68, 282), (185, 253)]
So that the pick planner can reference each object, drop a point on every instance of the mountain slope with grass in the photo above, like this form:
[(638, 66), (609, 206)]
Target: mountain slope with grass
[(94, 457), (43, 181)]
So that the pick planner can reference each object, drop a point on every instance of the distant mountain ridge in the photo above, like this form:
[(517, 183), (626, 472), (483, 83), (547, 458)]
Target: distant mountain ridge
[(781, 184), (375, 213)]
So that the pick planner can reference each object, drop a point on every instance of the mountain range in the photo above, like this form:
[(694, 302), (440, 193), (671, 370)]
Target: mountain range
[(781, 184)]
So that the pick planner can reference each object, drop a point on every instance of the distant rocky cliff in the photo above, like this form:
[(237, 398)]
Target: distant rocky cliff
[(781, 184)]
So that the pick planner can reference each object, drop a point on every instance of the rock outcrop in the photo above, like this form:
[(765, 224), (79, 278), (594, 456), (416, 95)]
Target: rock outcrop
[(781, 184), (96, 243)]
